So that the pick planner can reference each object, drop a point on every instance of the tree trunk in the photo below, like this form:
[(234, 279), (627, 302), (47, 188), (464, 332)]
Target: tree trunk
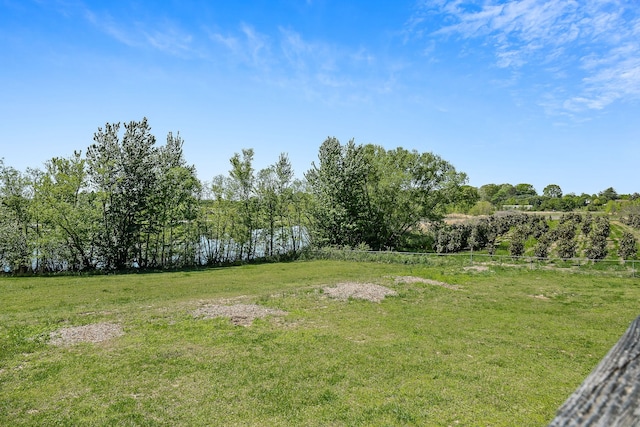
[(610, 396)]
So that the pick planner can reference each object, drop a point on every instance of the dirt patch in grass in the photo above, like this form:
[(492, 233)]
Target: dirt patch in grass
[(366, 291), (413, 279), (476, 268), (240, 314), (95, 332), (541, 296)]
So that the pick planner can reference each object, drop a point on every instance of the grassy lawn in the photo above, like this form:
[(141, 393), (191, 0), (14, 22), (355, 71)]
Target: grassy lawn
[(506, 348)]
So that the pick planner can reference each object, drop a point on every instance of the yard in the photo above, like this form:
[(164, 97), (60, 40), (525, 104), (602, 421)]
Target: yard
[(305, 343)]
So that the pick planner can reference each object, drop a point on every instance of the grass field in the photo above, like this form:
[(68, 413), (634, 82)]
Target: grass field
[(506, 348)]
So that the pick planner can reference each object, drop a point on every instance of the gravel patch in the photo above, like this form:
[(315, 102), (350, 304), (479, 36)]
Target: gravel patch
[(240, 314), (366, 291), (413, 279), (96, 332)]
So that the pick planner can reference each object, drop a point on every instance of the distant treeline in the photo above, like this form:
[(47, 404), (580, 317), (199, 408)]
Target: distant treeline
[(494, 197)]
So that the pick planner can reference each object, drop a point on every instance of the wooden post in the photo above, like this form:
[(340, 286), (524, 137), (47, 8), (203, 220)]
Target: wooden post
[(610, 395)]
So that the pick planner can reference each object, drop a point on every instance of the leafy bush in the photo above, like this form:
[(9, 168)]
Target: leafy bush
[(452, 238), (565, 243), (478, 235), (541, 249), (585, 227), (518, 236), (600, 230), (539, 227), (597, 248), (632, 220), (602, 227), (628, 246)]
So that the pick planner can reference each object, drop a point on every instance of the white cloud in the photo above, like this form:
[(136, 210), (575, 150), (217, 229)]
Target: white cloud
[(106, 24), (164, 35), (594, 42), (320, 70), (169, 40), (230, 42), (257, 44)]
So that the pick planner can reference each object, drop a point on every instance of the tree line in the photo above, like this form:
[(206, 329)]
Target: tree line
[(493, 197), (127, 202)]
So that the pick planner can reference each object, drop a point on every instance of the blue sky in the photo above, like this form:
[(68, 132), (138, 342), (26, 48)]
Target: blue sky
[(528, 91)]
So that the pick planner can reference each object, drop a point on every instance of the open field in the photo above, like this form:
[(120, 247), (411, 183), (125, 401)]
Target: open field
[(496, 346)]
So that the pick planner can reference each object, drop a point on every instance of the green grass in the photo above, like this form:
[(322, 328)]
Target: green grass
[(488, 354)]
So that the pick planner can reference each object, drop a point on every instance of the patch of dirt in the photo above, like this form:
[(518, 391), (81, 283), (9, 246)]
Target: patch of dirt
[(95, 332), (542, 297), (366, 291), (413, 279), (476, 268), (240, 314)]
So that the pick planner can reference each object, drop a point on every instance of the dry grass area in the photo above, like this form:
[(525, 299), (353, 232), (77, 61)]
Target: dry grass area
[(478, 268), (413, 279), (365, 291), (95, 332), (458, 218), (240, 314)]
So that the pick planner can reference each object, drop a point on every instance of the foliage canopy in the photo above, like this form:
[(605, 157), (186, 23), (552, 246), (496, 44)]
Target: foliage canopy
[(365, 194)]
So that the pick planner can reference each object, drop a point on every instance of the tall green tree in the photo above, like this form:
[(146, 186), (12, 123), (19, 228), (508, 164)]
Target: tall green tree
[(366, 194), (170, 236), (242, 183), (123, 172), (16, 240), (275, 194), (525, 190), (468, 199), (552, 191), (488, 191), (406, 187), (69, 210), (267, 193), (338, 183), (506, 192), (608, 194), (219, 222)]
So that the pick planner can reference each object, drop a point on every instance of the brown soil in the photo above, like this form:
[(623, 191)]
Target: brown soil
[(366, 291), (240, 314), (93, 333)]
